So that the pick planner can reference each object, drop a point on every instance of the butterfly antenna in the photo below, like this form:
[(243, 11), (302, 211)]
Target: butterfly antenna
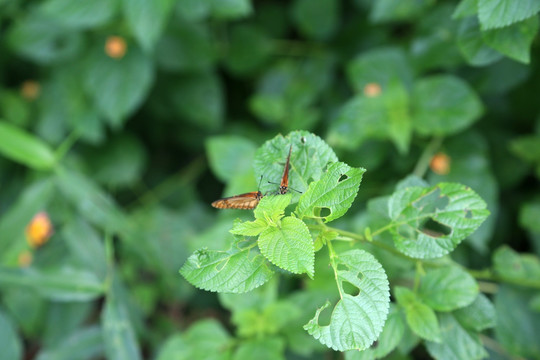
[(260, 181)]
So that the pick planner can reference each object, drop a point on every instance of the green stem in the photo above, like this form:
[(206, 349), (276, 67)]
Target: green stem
[(68, 142), (109, 255), (423, 162), (333, 257)]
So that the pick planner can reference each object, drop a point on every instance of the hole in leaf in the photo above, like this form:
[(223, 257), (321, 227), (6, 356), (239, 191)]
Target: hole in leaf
[(468, 214), (325, 316), (350, 289), (435, 229), (342, 267), (343, 177), (322, 212), (303, 139)]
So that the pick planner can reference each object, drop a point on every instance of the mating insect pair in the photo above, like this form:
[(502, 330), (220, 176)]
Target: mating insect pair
[(250, 200)]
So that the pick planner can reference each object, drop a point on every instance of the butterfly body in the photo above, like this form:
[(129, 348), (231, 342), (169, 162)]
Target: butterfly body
[(246, 201), (284, 185)]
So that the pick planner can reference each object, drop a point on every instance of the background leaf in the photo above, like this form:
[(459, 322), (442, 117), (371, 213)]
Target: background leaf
[(420, 317), (496, 14), (456, 207), (448, 288), (18, 145)]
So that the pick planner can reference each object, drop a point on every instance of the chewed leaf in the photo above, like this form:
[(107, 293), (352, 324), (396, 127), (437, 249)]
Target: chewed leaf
[(331, 197), (431, 222), (357, 320), (289, 246), (234, 271), (309, 158)]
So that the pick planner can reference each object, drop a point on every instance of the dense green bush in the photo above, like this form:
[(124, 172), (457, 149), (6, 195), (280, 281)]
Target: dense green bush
[(414, 130)]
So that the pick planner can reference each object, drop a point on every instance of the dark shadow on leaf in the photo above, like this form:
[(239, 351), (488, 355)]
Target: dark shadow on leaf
[(343, 177), (468, 214)]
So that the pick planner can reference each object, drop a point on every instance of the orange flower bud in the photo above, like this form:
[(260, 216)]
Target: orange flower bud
[(115, 47), (440, 164), (30, 89), (372, 90), (39, 230), (25, 258)]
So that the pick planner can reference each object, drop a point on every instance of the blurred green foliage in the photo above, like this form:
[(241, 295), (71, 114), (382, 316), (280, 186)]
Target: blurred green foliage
[(124, 119)]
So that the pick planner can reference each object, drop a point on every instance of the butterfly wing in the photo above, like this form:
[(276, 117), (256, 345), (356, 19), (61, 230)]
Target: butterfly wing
[(243, 201), (284, 186)]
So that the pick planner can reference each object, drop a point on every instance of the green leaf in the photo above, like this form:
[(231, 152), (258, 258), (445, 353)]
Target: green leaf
[(465, 8), (193, 10), (527, 147), (500, 13), (43, 40), (357, 320), (270, 348), (515, 40), (186, 46), (79, 15), (204, 340), (472, 46), (250, 47), (65, 318), (231, 9), (31, 201), (310, 157), (24, 148), (249, 228), (288, 244), (199, 98), (229, 155), (529, 215), (380, 66), (517, 326), (86, 343), (146, 19), (92, 203), (237, 270), (431, 222), (118, 332), (62, 284), (10, 342), (420, 317), (271, 208), (522, 268), (448, 288), (118, 86), (385, 116), (119, 162), (444, 105), (334, 192), (457, 343), (14, 108), (390, 10), (478, 316), (84, 242), (316, 20)]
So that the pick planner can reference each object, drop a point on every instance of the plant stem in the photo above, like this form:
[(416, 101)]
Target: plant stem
[(333, 257), (68, 142), (423, 162)]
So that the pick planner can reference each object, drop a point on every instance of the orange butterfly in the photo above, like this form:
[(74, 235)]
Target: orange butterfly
[(244, 201), (284, 186)]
